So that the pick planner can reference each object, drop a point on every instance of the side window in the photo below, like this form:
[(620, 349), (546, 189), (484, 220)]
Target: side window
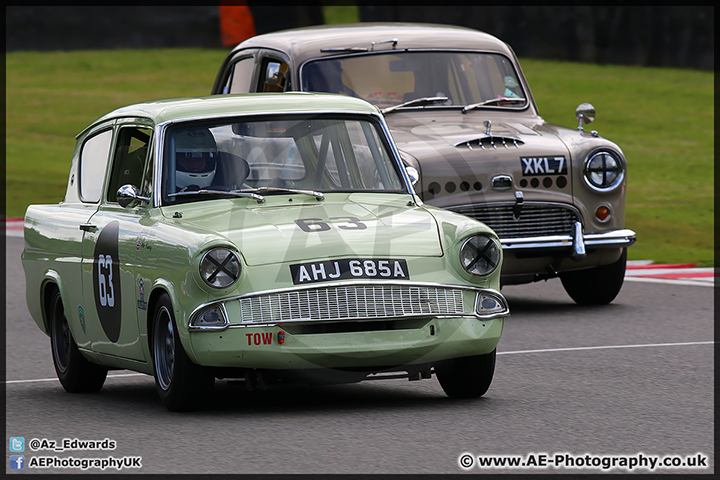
[(131, 153), (93, 165), (241, 76), (274, 76)]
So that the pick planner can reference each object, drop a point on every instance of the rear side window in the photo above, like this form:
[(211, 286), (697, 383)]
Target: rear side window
[(93, 164), (241, 76)]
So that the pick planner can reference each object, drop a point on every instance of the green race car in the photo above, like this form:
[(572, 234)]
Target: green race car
[(274, 238)]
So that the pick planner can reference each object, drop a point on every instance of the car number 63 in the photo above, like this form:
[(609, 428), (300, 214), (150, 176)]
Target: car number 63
[(106, 290), (318, 225)]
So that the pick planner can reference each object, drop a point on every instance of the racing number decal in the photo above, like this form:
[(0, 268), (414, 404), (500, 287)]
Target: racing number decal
[(106, 280), (106, 289), (318, 225), (351, 224)]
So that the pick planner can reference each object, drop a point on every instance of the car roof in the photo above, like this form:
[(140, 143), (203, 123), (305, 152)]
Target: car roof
[(305, 43), (193, 108)]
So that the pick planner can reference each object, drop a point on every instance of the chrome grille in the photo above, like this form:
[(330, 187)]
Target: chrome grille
[(351, 302), (534, 220)]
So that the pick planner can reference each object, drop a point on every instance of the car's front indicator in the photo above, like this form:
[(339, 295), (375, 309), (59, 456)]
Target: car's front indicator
[(213, 317), (220, 267), (480, 255), (491, 304)]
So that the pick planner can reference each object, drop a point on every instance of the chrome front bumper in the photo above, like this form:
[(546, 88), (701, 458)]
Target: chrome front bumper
[(579, 241)]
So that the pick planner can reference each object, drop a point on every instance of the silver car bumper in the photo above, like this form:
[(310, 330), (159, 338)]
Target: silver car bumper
[(579, 241)]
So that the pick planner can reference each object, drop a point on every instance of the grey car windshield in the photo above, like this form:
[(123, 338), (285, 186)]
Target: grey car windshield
[(387, 79), (278, 155)]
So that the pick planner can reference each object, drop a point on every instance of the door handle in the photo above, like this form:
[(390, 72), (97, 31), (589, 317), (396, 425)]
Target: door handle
[(88, 227)]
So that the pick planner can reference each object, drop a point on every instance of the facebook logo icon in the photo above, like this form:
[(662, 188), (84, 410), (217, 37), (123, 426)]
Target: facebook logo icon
[(17, 462)]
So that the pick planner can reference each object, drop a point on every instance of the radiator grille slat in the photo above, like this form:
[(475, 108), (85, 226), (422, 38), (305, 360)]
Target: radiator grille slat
[(351, 302), (534, 220)]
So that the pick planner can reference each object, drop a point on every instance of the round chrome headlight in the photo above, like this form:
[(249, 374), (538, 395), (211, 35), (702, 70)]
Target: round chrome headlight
[(480, 255), (604, 171), (220, 267)]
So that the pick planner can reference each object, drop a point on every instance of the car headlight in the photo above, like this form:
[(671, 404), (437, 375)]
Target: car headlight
[(604, 170), (220, 267), (480, 255)]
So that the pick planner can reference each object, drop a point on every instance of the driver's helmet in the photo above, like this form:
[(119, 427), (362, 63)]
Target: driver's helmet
[(195, 158)]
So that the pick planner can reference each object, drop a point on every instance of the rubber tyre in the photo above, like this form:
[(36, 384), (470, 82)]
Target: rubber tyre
[(596, 286), (181, 384), (75, 372), (466, 377)]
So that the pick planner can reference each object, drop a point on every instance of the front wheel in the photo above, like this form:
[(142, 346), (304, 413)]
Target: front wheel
[(596, 286), (75, 372), (180, 383), (466, 377)]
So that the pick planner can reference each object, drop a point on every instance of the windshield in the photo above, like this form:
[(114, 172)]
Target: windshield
[(278, 155), (388, 79)]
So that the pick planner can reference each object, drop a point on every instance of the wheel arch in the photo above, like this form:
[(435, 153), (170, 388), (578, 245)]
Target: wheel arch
[(158, 291), (51, 283)]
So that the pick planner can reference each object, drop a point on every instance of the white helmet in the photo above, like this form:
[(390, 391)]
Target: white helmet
[(195, 158)]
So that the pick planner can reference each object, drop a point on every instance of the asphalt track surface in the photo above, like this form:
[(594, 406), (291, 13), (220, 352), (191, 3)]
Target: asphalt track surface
[(633, 380)]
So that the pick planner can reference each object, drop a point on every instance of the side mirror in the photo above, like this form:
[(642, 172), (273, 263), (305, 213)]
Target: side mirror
[(413, 174), (128, 194), (585, 113)]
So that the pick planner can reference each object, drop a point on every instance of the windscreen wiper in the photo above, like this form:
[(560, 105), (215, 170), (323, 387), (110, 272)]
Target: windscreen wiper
[(417, 101), (491, 102), (318, 195), (235, 193)]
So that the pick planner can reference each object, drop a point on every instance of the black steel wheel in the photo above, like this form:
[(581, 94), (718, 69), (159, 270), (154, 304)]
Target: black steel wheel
[(181, 384)]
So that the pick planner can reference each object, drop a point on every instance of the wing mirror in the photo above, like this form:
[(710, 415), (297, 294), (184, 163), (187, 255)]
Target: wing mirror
[(413, 174), (128, 194), (585, 113)]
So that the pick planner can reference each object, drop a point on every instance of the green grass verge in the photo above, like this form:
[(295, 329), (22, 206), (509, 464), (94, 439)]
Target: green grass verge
[(663, 119)]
